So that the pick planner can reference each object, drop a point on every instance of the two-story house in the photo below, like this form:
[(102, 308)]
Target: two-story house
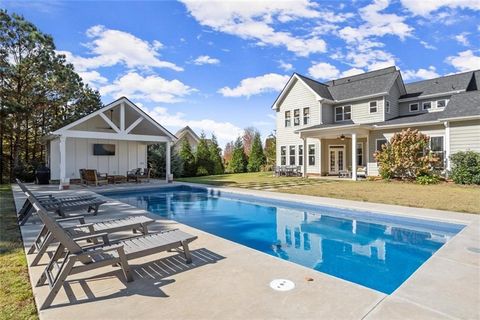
[(338, 125), (186, 133)]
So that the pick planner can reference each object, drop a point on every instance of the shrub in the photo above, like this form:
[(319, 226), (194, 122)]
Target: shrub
[(202, 171), (428, 179), (406, 156), (257, 157), (466, 167)]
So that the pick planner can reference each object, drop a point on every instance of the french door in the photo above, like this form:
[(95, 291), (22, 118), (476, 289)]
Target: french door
[(336, 159)]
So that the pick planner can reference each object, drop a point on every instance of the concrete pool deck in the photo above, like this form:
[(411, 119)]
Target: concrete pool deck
[(231, 281)]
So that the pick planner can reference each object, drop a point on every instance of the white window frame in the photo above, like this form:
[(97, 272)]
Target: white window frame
[(290, 155), (283, 156), (387, 106), (412, 104), (370, 106), (314, 154), (306, 118), (376, 142), (289, 118), (343, 113), (296, 120), (444, 146), (436, 103), (300, 147), (363, 153), (425, 102), (337, 147)]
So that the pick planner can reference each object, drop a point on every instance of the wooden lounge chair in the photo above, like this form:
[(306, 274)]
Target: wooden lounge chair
[(71, 258), (139, 174), (45, 237), (91, 176), (91, 204)]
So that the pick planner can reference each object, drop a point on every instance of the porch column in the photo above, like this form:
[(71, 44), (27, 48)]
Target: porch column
[(63, 159), (167, 161), (447, 146), (354, 156), (367, 152), (305, 157)]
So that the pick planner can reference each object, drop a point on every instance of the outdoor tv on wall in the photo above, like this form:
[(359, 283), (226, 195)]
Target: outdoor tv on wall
[(103, 149)]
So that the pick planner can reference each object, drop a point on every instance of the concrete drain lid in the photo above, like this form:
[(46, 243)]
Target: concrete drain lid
[(282, 285)]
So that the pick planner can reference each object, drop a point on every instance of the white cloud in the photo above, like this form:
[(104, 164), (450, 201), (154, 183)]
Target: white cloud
[(256, 85), (225, 131), (255, 20), (111, 47), (205, 60), (464, 61), (427, 45), (462, 38), (327, 71), (371, 59), (285, 66), (425, 7), (93, 78), (420, 74), (149, 88), (376, 24)]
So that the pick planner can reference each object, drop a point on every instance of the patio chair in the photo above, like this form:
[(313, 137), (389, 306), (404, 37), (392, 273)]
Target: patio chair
[(361, 171), (133, 174), (71, 258), (45, 238), (139, 174), (60, 207), (91, 176)]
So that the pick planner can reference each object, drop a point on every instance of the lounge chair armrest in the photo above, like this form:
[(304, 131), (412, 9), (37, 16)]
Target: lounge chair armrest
[(102, 235), (116, 247), (80, 219)]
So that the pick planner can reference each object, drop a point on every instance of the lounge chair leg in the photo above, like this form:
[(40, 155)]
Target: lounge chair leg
[(42, 233), (42, 249), (58, 253), (186, 252), (26, 216), (58, 284), (124, 265), (95, 210)]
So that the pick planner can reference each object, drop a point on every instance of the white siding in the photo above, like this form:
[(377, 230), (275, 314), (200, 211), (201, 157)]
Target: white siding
[(128, 155), (361, 111), (298, 97), (465, 135)]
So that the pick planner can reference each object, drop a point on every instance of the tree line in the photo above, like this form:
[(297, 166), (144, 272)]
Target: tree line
[(39, 93)]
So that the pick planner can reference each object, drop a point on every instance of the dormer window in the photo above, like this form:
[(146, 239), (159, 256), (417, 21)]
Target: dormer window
[(413, 107), (427, 105), (373, 106), (288, 118), (343, 113), (296, 117), (441, 103)]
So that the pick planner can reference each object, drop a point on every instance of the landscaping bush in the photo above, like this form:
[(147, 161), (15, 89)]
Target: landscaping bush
[(202, 171), (406, 156), (466, 167), (428, 179)]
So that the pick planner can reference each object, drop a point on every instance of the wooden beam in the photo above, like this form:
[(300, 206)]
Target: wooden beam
[(134, 124), (114, 136), (122, 116), (109, 122)]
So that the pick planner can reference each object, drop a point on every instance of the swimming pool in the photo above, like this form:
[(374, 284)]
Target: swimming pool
[(374, 250)]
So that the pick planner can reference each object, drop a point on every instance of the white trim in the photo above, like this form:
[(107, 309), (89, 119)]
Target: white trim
[(363, 153), (433, 95), (387, 104), (113, 136), (375, 95), (287, 86), (297, 154), (436, 103), (109, 122), (473, 117), (134, 124), (425, 102), (377, 143), (370, 106), (410, 107), (314, 154), (447, 145), (343, 113), (343, 147), (290, 155), (122, 116), (354, 156), (403, 125)]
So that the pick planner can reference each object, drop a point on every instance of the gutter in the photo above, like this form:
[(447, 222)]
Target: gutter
[(380, 94), (433, 95), (353, 126)]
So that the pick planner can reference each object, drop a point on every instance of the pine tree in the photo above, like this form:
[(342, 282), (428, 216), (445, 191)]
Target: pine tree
[(202, 157), (270, 151), (257, 158), (187, 158), (216, 156), (239, 158)]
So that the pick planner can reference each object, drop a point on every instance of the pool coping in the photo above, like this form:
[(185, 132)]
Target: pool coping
[(433, 304)]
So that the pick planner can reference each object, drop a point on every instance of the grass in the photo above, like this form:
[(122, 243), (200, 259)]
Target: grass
[(443, 196), (16, 298)]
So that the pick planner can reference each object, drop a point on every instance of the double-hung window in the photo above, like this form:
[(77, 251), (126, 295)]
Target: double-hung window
[(343, 113), (413, 107), (283, 155), (379, 143), (427, 105), (296, 117), (373, 106), (288, 118), (306, 115), (300, 155), (292, 155), (387, 106), (311, 154), (437, 147), (360, 153)]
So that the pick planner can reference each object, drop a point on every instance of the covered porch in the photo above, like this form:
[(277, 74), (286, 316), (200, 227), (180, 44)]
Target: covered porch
[(112, 140), (344, 151)]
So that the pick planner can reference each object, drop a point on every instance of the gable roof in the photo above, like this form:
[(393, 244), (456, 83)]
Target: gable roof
[(111, 105), (320, 88), (455, 82), (182, 132)]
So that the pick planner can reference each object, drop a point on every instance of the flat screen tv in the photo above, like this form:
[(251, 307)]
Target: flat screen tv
[(103, 149)]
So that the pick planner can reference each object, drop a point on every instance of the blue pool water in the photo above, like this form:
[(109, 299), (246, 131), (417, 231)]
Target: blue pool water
[(370, 249)]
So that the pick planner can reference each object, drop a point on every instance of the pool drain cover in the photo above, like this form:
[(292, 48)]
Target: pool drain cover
[(282, 285)]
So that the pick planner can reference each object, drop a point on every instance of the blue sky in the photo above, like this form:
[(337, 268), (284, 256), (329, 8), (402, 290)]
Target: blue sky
[(218, 66)]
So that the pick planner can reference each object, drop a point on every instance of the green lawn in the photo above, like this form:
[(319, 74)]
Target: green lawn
[(444, 196), (16, 299)]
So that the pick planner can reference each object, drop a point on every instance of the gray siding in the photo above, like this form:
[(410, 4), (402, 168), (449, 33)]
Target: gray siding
[(327, 113), (465, 135), (298, 97), (393, 95)]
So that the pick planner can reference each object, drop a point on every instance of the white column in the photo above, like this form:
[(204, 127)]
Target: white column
[(354, 156), (167, 161), (122, 117), (447, 145), (320, 156), (63, 161), (305, 157), (367, 148)]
